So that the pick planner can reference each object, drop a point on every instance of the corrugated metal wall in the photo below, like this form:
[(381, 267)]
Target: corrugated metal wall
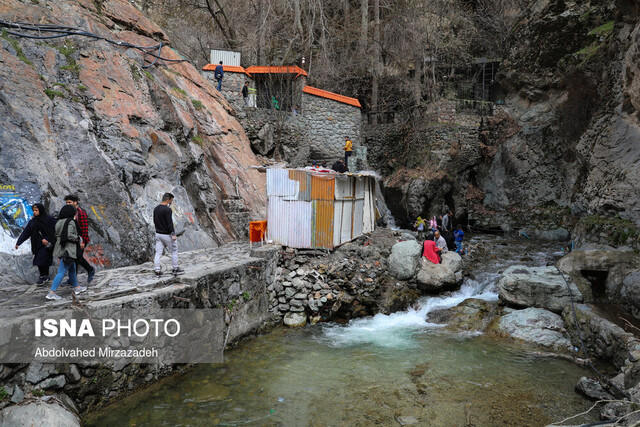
[(311, 210), (228, 57)]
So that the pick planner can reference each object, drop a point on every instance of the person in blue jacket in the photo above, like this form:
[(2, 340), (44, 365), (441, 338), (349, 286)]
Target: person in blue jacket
[(41, 230), (459, 235)]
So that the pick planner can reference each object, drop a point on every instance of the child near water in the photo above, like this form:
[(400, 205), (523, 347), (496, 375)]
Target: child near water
[(459, 235)]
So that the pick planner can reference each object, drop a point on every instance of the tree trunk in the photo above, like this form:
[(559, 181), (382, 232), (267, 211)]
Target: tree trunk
[(262, 60), (376, 59), (364, 27)]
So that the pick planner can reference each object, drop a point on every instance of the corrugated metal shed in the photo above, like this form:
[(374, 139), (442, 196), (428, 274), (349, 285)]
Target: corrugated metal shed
[(228, 57), (310, 209)]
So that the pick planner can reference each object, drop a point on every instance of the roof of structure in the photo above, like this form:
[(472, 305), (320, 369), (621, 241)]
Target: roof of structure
[(285, 69), (330, 95), (226, 68)]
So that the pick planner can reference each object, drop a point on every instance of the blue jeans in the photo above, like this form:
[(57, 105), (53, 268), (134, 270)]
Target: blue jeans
[(219, 87), (458, 247), (62, 270)]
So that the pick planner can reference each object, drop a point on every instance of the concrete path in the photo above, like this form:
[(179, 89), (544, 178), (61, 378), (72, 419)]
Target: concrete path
[(119, 282)]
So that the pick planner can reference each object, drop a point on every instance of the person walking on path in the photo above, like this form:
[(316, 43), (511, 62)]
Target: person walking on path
[(66, 249), (82, 224), (41, 230), (245, 94), (219, 74), (348, 150), (165, 234)]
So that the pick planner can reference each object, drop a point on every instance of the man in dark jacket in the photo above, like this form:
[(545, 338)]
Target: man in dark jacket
[(219, 74), (165, 234), (82, 223), (245, 94)]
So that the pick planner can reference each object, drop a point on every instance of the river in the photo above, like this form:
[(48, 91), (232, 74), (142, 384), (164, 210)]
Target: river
[(373, 371)]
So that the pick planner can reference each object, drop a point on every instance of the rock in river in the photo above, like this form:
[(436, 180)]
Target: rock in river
[(541, 287)]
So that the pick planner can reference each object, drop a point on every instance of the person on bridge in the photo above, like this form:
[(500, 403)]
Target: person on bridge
[(41, 230), (165, 234), (67, 240)]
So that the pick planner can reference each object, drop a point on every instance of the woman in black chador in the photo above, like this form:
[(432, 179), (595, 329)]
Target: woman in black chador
[(41, 230)]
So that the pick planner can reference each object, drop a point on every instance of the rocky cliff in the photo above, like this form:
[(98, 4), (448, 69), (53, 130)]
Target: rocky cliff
[(565, 142), (82, 115)]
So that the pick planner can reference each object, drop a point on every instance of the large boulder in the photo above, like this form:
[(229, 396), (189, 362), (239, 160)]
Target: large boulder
[(630, 293), (536, 326), (603, 338), (471, 314), (404, 259), (38, 413), (542, 287), (452, 261), (599, 274), (434, 277)]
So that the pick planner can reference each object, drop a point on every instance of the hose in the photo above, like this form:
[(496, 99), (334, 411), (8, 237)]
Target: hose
[(62, 31)]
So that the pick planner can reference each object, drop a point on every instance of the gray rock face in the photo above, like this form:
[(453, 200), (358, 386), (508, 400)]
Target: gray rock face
[(38, 372), (604, 339), (630, 293), (536, 326), (592, 389), (556, 234), (452, 261), (295, 320), (433, 277), (612, 266), (541, 287), (404, 259), (39, 414), (120, 138)]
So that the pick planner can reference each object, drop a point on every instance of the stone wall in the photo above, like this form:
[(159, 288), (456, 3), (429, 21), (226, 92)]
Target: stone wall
[(327, 123), (315, 132), (231, 86), (229, 277)]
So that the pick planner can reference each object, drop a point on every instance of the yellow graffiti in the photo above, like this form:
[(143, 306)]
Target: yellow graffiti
[(96, 213), (7, 187), (102, 208), (18, 211)]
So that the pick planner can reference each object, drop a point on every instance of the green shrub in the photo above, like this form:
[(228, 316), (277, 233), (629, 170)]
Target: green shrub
[(53, 93), (197, 104)]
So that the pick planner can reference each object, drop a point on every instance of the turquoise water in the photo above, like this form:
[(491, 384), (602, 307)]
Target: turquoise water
[(368, 372), (305, 378)]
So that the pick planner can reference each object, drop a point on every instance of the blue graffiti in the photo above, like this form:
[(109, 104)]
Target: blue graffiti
[(15, 213)]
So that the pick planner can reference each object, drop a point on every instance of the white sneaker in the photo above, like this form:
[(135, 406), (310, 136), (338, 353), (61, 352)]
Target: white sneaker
[(53, 296), (79, 289)]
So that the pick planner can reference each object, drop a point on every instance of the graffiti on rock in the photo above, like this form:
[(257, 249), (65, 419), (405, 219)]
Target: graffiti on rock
[(15, 211)]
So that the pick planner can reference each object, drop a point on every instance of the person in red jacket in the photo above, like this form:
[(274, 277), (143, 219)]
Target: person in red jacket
[(82, 222)]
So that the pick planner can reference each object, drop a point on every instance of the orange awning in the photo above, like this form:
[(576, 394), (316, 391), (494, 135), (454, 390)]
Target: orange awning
[(330, 95), (285, 69), (226, 68)]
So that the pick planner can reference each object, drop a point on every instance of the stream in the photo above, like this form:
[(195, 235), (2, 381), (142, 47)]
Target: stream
[(374, 370)]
